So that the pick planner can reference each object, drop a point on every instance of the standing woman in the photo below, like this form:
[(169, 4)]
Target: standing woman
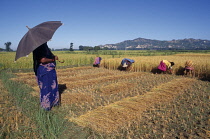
[(44, 68)]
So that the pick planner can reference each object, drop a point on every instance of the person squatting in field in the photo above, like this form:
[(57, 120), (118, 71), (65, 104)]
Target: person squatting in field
[(165, 66), (97, 62), (44, 68), (188, 70), (126, 64)]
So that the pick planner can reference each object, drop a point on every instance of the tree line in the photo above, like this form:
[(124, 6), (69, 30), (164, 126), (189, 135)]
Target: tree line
[(89, 48)]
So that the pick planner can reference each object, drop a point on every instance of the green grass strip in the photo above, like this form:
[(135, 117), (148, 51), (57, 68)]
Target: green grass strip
[(49, 124)]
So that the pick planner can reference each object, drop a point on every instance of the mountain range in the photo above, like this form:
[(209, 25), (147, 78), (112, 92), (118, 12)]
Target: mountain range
[(149, 44)]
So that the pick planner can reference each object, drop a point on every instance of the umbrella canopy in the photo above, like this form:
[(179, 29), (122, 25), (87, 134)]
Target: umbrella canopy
[(127, 59), (35, 37)]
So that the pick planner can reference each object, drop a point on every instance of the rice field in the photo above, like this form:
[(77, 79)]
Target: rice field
[(201, 63), (108, 103)]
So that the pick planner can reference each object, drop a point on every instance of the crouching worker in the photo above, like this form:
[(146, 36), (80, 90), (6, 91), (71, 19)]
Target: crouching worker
[(165, 67), (97, 62), (126, 64), (188, 70)]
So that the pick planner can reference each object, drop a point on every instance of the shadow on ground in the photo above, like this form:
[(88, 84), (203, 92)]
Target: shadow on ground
[(61, 89)]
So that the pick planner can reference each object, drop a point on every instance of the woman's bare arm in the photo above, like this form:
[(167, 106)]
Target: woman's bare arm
[(47, 60)]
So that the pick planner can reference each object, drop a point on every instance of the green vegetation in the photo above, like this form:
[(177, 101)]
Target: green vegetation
[(79, 58), (48, 124), (120, 53)]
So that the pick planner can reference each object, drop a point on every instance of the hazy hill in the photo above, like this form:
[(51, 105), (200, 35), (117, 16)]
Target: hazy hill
[(142, 43)]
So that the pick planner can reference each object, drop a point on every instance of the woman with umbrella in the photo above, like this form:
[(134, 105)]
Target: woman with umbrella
[(44, 68), (35, 40)]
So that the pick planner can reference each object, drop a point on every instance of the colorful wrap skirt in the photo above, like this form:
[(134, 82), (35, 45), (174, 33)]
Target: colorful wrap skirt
[(48, 84), (97, 60), (162, 66), (189, 68)]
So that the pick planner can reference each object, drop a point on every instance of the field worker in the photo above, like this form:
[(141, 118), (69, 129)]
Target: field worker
[(44, 68), (188, 70), (126, 64), (97, 62), (165, 66)]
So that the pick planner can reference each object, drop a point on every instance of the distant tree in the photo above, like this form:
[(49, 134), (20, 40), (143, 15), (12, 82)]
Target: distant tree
[(106, 48), (88, 48), (96, 48), (7, 44), (71, 47), (81, 47)]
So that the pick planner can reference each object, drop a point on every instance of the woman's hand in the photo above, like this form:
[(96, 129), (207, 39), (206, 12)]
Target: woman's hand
[(56, 57), (170, 71), (61, 61)]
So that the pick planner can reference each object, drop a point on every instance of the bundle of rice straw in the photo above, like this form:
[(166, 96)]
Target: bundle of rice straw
[(189, 63)]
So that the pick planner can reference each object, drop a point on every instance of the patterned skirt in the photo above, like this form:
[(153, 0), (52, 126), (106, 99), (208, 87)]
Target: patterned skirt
[(48, 84)]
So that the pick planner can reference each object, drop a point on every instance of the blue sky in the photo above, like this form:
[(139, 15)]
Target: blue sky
[(99, 22)]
